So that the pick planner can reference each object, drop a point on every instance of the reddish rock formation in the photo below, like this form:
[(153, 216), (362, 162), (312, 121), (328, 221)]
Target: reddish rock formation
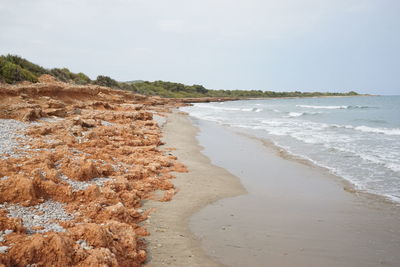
[(70, 194)]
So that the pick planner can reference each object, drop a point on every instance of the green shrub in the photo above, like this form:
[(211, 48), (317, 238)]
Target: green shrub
[(12, 73), (106, 81), (62, 74), (27, 65), (81, 78)]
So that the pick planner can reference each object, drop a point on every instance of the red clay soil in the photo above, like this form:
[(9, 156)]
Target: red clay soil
[(85, 133)]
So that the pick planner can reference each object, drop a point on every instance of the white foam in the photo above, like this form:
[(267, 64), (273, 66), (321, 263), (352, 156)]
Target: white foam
[(252, 109), (323, 107), (387, 131), (394, 167), (367, 129), (333, 107), (295, 114)]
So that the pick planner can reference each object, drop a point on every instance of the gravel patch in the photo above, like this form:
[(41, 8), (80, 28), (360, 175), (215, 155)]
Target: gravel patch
[(120, 166), (8, 136), (106, 123), (3, 249), (83, 185), (3, 234), (4, 178), (41, 215)]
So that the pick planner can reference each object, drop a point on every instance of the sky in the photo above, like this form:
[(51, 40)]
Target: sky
[(280, 45)]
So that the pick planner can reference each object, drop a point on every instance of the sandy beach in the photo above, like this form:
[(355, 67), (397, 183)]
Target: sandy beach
[(293, 214), (171, 242), (88, 173)]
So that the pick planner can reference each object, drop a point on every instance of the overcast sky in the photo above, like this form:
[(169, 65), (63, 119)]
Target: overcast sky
[(307, 45)]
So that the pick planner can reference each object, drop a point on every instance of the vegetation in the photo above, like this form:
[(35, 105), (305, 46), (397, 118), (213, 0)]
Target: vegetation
[(106, 81), (178, 90), (11, 73), (65, 75), (15, 69)]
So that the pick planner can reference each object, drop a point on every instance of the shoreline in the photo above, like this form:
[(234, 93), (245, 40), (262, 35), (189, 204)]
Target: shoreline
[(293, 215), (171, 241), (320, 119), (113, 138), (217, 227), (347, 184)]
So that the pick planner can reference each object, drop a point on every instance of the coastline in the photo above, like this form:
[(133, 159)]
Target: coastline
[(293, 215), (131, 167), (346, 184), (171, 241), (314, 220)]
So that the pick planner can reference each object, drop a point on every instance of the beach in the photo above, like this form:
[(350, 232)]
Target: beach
[(293, 214), (200, 133), (171, 242), (107, 177)]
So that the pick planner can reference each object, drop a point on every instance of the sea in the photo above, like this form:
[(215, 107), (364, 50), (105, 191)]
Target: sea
[(355, 138)]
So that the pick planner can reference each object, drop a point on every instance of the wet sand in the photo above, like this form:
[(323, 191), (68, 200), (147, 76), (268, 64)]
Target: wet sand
[(171, 242), (293, 215)]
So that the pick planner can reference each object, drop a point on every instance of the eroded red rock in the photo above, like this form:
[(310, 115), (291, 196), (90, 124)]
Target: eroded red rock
[(95, 151)]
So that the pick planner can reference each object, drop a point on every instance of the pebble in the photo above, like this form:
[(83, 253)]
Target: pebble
[(4, 233), (83, 244), (3, 249), (106, 123), (8, 136), (7, 232), (83, 185), (49, 210)]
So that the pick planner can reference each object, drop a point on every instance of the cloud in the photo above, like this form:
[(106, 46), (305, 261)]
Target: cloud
[(171, 25)]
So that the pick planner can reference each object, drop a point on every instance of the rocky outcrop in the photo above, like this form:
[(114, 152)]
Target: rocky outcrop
[(72, 186)]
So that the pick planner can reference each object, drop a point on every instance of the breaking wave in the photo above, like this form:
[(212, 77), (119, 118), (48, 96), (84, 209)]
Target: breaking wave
[(333, 107), (298, 114), (367, 129)]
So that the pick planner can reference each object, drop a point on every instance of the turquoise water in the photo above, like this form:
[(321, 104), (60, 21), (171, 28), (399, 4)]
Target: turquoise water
[(356, 138)]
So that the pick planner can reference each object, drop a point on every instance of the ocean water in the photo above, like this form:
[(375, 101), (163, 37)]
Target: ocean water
[(356, 138)]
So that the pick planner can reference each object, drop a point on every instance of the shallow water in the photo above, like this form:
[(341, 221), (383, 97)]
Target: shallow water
[(356, 138), (293, 214)]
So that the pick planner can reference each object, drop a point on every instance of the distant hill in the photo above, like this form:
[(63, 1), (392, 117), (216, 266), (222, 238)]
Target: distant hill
[(14, 69)]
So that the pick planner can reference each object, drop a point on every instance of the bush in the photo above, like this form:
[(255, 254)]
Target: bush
[(81, 78), (27, 65), (106, 81), (200, 89), (62, 74), (12, 73)]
